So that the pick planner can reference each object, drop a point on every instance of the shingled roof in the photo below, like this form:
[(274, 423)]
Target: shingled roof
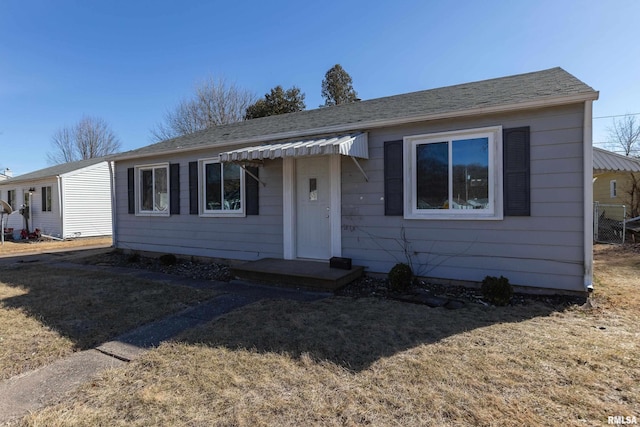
[(549, 87), (54, 171)]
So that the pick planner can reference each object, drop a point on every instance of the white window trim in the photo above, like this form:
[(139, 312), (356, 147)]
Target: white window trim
[(12, 200), (201, 191), (49, 200), (613, 189), (494, 211), (138, 191)]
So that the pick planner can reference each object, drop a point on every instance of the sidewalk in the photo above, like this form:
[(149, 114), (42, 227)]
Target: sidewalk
[(35, 389)]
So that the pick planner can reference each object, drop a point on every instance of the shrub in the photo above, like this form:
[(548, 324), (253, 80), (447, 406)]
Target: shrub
[(168, 259), (400, 277), (497, 291), (133, 257)]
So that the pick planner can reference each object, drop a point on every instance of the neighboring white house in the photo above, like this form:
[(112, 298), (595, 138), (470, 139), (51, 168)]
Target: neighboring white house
[(69, 200), (6, 174), (485, 178)]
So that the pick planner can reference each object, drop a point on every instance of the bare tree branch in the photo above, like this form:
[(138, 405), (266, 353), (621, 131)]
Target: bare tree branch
[(63, 147), (624, 135), (89, 138), (214, 102)]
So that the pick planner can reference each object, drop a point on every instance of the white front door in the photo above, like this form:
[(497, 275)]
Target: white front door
[(313, 208)]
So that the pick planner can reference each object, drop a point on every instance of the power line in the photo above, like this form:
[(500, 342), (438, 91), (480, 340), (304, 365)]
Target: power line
[(619, 115)]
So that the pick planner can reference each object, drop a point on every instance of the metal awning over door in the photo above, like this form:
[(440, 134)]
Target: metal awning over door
[(354, 145)]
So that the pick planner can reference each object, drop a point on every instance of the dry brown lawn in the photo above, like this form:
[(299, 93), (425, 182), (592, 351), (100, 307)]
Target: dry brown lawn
[(47, 313), (384, 363), (19, 247)]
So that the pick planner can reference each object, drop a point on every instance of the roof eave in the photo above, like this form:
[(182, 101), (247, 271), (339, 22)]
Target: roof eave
[(18, 180), (373, 124)]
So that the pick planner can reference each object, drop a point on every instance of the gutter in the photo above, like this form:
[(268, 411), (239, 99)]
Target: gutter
[(373, 124), (588, 194), (59, 179), (114, 228)]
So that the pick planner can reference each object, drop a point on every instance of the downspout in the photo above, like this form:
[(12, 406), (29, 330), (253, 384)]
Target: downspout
[(114, 229), (60, 206), (588, 195)]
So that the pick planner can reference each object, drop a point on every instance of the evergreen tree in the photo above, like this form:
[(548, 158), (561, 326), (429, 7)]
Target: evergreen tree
[(337, 87), (278, 101)]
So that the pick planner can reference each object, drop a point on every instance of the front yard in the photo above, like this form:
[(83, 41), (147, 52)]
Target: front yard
[(344, 361), (48, 313)]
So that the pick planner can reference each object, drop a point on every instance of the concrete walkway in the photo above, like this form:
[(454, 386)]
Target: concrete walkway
[(35, 389)]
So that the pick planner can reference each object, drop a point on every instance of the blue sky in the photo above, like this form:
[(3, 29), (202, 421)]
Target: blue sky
[(128, 62)]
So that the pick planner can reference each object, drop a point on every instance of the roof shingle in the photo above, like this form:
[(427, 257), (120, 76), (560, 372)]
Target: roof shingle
[(552, 84), (56, 170)]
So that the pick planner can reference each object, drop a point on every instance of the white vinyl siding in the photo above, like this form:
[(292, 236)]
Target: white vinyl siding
[(87, 202), (80, 203), (48, 222)]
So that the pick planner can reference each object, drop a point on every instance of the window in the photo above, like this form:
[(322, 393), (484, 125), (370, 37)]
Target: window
[(11, 199), (222, 187), (46, 199), (153, 185), (613, 189), (454, 175)]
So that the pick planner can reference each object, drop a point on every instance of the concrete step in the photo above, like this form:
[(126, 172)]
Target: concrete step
[(313, 275)]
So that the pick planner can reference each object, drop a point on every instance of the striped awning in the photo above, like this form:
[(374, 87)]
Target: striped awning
[(354, 145)]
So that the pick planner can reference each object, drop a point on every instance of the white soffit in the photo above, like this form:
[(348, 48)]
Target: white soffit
[(353, 145)]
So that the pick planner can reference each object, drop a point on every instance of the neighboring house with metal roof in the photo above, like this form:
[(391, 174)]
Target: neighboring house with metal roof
[(485, 178), (613, 179), (68, 200)]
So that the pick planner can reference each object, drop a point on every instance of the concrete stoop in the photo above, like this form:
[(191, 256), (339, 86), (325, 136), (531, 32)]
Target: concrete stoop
[(313, 275)]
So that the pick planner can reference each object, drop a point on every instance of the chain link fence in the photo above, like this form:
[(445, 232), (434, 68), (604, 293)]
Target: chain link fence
[(608, 223)]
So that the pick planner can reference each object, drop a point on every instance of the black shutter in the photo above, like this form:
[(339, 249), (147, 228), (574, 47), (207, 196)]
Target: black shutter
[(517, 198), (44, 199), (193, 188), (393, 178), (251, 187), (174, 188), (131, 191)]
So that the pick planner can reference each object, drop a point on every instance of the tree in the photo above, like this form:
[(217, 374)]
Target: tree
[(214, 102), (632, 195), (337, 87), (90, 137), (278, 101), (624, 135)]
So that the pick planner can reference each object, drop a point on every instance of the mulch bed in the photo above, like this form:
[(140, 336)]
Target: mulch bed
[(422, 292)]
